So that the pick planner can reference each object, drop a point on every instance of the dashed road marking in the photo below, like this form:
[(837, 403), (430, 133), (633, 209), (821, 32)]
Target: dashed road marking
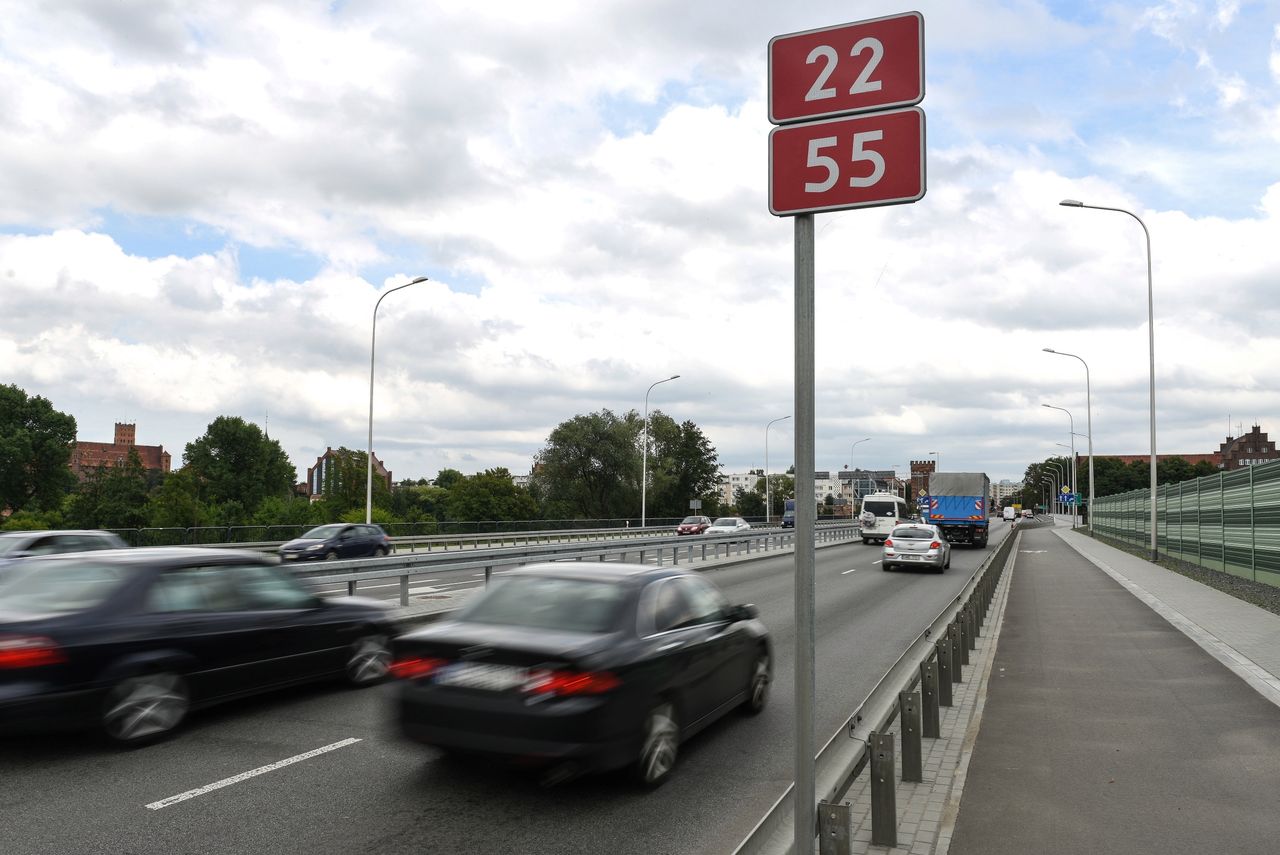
[(847, 572)]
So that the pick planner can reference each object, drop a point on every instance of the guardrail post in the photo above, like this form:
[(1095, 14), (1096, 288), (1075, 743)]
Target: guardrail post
[(931, 726), (488, 571), (835, 828), (943, 646), (351, 588), (404, 590), (971, 619), (688, 556), (909, 709), (962, 629), (957, 652), (704, 552), (884, 808)]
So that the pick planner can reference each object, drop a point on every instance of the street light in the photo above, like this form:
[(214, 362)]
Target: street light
[(1088, 403), (1061, 476), (767, 506), (853, 493), (1072, 479), (368, 492), (644, 464), (1151, 344)]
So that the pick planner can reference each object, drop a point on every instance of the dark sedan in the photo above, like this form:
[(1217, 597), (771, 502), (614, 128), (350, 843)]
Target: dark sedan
[(131, 640), (693, 525), (583, 667), (338, 540)]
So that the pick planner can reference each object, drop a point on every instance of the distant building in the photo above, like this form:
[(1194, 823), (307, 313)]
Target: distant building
[(325, 468), (856, 483), (731, 481), (1250, 449), (1002, 490), (920, 472), (88, 456)]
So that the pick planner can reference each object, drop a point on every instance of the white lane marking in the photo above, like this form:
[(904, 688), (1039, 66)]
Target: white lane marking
[(847, 572), (877, 562), (252, 773)]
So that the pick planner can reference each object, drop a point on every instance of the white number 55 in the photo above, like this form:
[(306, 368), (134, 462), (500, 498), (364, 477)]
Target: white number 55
[(827, 162)]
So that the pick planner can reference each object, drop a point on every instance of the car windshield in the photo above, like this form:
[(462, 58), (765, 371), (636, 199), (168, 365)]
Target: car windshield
[(726, 521), (324, 532), (62, 585), (548, 602), (880, 509), (914, 532), (690, 520), (11, 543)]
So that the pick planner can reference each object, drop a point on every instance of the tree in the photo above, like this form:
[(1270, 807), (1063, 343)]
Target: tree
[(35, 448), (235, 466), (590, 467), (490, 495), (111, 497), (683, 465), (446, 478), (419, 503), (781, 488), (749, 502), (176, 503)]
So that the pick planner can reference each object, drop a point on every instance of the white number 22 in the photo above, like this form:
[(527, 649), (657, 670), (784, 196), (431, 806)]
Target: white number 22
[(827, 162), (819, 90)]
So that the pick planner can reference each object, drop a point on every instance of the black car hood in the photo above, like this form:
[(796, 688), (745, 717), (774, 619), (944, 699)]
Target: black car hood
[(301, 543)]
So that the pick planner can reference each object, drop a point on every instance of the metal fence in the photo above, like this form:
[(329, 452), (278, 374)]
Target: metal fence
[(1228, 522)]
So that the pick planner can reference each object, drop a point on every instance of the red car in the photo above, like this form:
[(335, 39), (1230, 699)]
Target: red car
[(693, 525)]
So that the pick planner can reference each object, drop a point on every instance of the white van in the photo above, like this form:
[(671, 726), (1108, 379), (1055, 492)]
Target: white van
[(880, 513), (1010, 513)]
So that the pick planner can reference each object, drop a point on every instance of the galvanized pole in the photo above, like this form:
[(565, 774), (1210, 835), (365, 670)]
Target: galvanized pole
[(805, 801), (373, 340)]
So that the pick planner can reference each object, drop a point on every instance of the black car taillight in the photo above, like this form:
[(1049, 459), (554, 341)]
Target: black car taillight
[(414, 667), (570, 683), (29, 651)]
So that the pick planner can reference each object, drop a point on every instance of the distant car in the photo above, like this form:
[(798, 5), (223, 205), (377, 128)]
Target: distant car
[(788, 519), (337, 540), (1027, 513), (916, 545), (583, 667), (131, 640), (727, 525), (1010, 513), (693, 525), (17, 545)]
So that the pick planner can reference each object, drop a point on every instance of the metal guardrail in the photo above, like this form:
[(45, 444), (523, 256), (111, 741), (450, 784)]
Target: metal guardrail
[(934, 661), (405, 567)]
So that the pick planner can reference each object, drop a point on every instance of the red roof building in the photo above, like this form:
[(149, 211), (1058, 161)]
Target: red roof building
[(88, 456)]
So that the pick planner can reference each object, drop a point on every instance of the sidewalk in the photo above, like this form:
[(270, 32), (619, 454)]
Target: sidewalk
[(1109, 723)]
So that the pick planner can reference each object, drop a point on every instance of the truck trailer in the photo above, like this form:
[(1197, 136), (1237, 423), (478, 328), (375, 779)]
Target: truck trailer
[(958, 506)]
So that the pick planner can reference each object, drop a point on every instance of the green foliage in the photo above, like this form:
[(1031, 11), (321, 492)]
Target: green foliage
[(176, 503), (490, 495), (446, 478), (235, 466), (111, 497), (33, 521), (419, 502), (749, 502), (590, 467), (346, 483), (781, 488), (683, 465), (35, 447)]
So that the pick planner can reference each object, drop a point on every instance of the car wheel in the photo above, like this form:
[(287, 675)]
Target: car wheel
[(758, 688), (331, 555), (370, 660), (145, 707), (947, 566), (865, 541), (659, 746), (381, 552), (886, 566)]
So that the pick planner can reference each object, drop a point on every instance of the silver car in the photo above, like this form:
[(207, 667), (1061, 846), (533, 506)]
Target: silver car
[(916, 544)]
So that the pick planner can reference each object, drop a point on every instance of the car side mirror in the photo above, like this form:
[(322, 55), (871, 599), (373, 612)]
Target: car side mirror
[(745, 611)]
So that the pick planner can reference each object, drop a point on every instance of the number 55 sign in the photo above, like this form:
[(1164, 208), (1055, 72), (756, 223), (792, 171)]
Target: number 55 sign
[(855, 161)]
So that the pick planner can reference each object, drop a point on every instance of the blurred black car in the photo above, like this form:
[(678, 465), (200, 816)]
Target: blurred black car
[(583, 667), (132, 640), (17, 545), (338, 540)]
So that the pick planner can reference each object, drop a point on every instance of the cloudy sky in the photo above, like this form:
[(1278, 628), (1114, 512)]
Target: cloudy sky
[(201, 203)]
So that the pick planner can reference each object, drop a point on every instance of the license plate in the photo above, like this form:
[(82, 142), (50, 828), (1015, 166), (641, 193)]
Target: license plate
[(479, 675), (910, 557)]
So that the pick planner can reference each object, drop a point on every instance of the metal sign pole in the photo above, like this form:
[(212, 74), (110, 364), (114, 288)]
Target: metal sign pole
[(805, 800)]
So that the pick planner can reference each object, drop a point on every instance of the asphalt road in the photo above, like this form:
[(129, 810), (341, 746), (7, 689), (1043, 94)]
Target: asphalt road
[(376, 793)]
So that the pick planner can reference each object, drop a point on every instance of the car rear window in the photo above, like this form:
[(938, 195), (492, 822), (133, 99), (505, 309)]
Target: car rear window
[(62, 585), (691, 521), (914, 533), (548, 602), (881, 509)]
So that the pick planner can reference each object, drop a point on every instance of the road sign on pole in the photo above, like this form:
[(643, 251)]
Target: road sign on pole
[(850, 162), (851, 68)]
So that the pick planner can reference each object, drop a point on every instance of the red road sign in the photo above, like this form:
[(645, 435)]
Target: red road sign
[(851, 162), (852, 68)]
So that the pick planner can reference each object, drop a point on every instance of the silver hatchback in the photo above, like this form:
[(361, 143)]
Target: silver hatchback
[(916, 544)]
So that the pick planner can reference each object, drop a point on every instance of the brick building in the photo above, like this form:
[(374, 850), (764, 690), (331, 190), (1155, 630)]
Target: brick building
[(88, 456), (1248, 449)]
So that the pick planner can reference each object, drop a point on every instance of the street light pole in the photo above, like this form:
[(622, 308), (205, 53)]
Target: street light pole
[(853, 474), (644, 459), (1060, 476), (1071, 479), (767, 506), (373, 338), (1088, 403), (1151, 346)]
